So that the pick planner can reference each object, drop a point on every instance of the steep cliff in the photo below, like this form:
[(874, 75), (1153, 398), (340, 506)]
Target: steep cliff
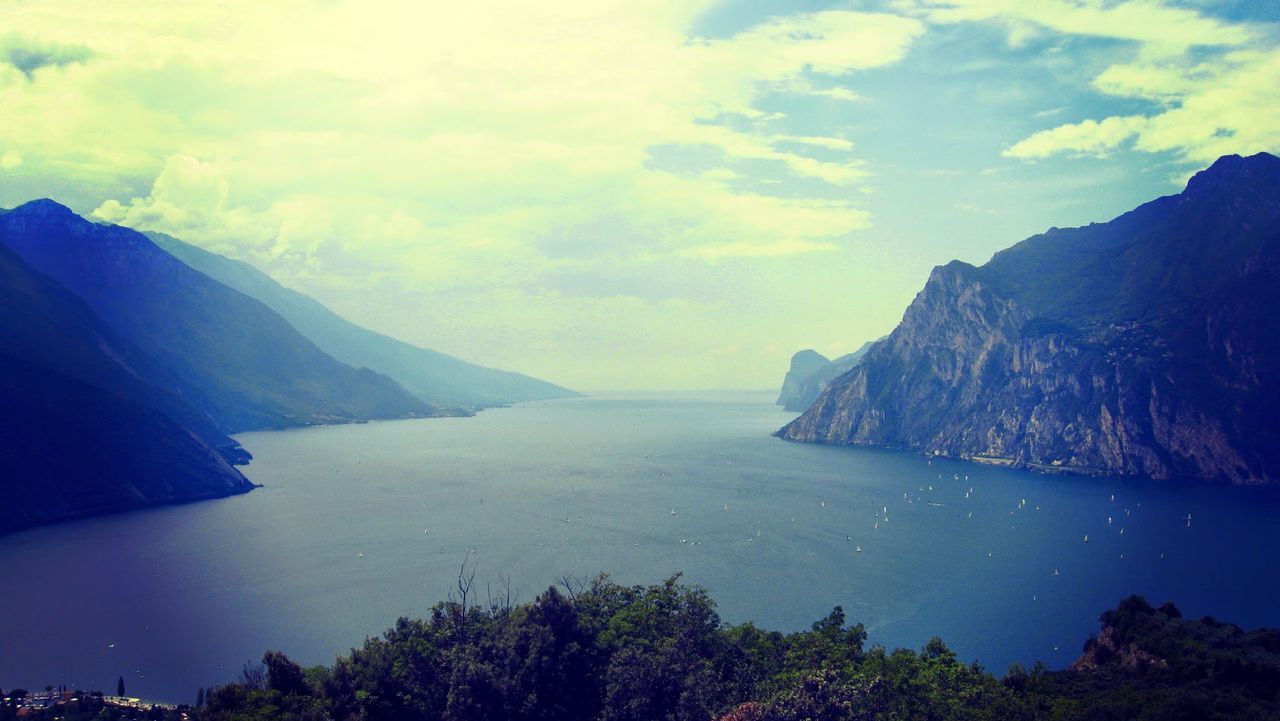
[(804, 384), (1144, 346), (803, 364)]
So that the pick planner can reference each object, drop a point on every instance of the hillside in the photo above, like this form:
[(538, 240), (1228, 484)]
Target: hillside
[(432, 376), (81, 431), (230, 355)]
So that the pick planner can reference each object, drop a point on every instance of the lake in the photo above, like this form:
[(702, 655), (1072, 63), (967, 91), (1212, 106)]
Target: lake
[(356, 525)]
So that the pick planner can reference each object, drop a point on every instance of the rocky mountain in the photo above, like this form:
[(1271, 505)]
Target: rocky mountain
[(81, 431), (803, 364), (810, 373), (432, 376), (228, 354), (1147, 346)]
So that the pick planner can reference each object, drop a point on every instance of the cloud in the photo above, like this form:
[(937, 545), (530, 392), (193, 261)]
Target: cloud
[(817, 141), (454, 174), (1088, 137), (836, 93), (786, 246), (10, 159), (1214, 108), (189, 200), (551, 120), (28, 55), (1049, 112), (1150, 22), (1213, 82)]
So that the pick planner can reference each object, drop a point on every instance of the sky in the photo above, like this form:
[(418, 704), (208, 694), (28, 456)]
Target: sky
[(619, 194)]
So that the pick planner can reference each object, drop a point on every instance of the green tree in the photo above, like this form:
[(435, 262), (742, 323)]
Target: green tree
[(283, 675)]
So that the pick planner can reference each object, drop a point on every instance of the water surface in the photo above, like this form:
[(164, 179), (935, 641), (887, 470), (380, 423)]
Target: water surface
[(357, 525)]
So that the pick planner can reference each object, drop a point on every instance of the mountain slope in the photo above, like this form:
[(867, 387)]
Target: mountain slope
[(803, 385), (432, 376), (803, 364), (231, 355), (50, 327), (1142, 346), (80, 431)]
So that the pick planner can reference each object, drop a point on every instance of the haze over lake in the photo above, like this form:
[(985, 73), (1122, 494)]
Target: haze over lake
[(359, 524)]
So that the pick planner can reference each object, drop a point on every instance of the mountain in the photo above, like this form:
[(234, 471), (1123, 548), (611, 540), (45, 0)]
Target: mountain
[(48, 326), (229, 355), (432, 376), (810, 373), (803, 364), (1144, 346), (81, 432)]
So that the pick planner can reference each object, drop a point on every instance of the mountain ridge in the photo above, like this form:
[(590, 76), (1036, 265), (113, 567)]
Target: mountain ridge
[(1140, 346), (802, 385), (231, 355), (803, 364), (82, 432), (430, 375)]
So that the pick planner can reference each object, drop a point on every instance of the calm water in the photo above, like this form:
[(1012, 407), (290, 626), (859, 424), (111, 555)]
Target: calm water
[(357, 525)]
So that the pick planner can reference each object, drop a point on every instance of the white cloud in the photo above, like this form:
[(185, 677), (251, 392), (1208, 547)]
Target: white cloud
[(1088, 137), (486, 123), (10, 159), (836, 93), (1156, 24), (1217, 83), (189, 199), (1214, 108), (787, 246)]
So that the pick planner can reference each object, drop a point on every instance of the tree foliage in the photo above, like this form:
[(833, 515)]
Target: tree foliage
[(601, 651)]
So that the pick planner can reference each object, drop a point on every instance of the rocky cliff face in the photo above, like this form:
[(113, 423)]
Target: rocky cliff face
[(1141, 347), (811, 372), (813, 384), (803, 364)]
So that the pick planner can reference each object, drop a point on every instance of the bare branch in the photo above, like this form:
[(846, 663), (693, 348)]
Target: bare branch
[(573, 585), (465, 581)]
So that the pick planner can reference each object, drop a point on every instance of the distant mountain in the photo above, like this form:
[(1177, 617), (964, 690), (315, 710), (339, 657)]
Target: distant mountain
[(81, 431), (810, 373), (1148, 345), (432, 376), (803, 364), (229, 355)]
